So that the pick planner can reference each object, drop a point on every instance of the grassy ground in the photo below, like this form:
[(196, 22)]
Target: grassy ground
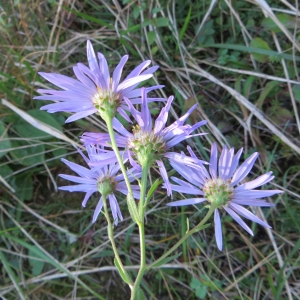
[(239, 60)]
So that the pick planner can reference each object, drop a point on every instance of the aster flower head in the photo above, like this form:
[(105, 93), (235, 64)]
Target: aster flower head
[(222, 187), (94, 90), (148, 144), (102, 178)]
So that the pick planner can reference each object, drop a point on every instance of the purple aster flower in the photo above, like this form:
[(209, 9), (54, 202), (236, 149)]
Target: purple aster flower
[(222, 187), (94, 90), (148, 143), (101, 178)]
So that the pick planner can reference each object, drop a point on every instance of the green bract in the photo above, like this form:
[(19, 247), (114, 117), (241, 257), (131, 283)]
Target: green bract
[(106, 102), (106, 185), (146, 146)]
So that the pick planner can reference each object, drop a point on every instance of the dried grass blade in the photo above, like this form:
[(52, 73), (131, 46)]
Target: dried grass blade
[(39, 125)]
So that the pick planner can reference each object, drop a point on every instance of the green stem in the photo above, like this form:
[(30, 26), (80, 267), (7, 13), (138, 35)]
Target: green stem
[(130, 199), (186, 236), (114, 146), (110, 231), (142, 208)]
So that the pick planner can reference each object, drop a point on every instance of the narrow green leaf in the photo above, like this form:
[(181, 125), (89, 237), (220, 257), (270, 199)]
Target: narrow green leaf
[(237, 84), (132, 207), (251, 50), (165, 260), (187, 224), (153, 188), (140, 295), (265, 92), (270, 279), (122, 274), (248, 85), (131, 29), (185, 25), (89, 18)]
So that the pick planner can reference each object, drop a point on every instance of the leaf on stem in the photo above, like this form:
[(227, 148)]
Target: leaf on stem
[(140, 295), (133, 209), (153, 188), (187, 225), (122, 274)]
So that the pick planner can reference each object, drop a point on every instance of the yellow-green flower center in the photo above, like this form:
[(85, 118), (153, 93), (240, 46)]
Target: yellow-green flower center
[(218, 191)]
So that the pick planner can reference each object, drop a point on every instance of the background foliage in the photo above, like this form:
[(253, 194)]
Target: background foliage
[(239, 60)]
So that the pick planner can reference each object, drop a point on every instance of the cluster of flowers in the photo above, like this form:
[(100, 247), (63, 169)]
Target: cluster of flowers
[(94, 91)]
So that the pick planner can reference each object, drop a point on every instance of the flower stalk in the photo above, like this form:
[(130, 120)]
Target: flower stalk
[(130, 199), (110, 232), (142, 208)]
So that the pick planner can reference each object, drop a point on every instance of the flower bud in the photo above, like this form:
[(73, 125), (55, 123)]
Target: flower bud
[(146, 147)]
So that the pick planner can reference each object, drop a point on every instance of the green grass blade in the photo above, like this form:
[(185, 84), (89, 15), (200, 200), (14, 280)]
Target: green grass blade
[(252, 50), (185, 26)]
